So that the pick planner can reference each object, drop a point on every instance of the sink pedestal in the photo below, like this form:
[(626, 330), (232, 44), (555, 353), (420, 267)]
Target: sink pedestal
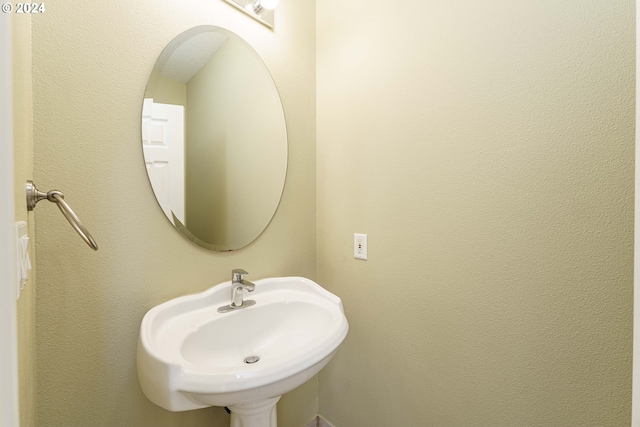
[(255, 414)]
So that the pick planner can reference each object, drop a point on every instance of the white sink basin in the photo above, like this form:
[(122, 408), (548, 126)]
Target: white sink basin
[(191, 356)]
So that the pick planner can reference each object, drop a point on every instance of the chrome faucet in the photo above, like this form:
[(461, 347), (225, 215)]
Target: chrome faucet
[(238, 284)]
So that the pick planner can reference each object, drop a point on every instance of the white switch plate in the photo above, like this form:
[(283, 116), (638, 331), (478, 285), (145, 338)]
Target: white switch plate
[(360, 246), (22, 256)]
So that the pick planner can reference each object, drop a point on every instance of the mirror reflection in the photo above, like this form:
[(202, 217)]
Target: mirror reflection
[(214, 138)]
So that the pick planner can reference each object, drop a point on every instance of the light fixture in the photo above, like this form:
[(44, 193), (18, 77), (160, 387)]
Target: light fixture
[(259, 5), (260, 10)]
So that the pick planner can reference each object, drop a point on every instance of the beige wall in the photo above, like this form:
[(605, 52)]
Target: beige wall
[(235, 146), (90, 68), (167, 91), (487, 150), (23, 171)]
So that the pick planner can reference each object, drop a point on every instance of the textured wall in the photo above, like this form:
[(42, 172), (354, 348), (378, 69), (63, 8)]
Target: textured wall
[(23, 171), (485, 147), (91, 62), (487, 150)]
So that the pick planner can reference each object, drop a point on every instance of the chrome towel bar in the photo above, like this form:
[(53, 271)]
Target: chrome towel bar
[(34, 196)]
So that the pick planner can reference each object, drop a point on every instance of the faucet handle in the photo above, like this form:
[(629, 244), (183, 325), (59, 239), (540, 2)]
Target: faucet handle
[(236, 275)]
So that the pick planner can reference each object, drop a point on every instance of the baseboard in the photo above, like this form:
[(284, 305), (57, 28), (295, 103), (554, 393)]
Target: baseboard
[(318, 421)]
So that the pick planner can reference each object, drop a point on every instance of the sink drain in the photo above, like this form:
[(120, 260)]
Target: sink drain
[(251, 359)]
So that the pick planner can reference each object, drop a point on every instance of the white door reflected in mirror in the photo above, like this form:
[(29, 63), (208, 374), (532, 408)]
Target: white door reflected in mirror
[(163, 147)]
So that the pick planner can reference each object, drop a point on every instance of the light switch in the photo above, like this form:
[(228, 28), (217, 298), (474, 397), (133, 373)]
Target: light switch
[(22, 255)]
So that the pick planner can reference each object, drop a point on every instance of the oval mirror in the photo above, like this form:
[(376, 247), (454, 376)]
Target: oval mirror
[(214, 138)]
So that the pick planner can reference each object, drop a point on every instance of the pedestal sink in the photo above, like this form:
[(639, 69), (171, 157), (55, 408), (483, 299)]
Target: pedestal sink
[(191, 356)]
